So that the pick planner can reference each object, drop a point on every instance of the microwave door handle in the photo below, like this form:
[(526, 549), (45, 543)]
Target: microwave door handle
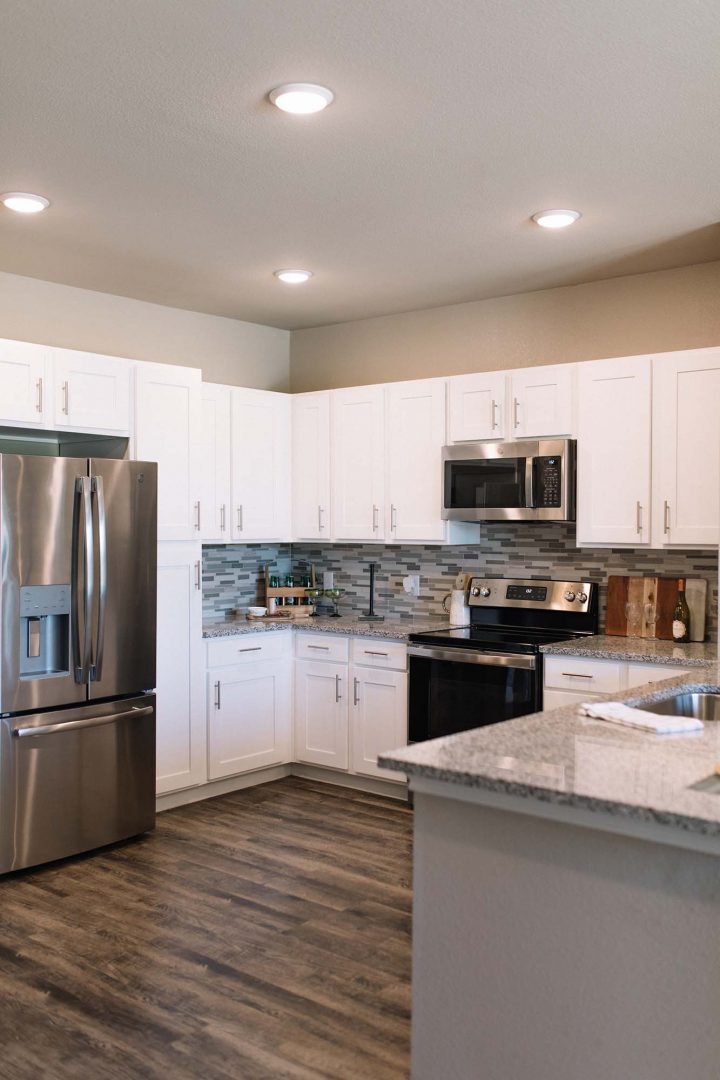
[(529, 482)]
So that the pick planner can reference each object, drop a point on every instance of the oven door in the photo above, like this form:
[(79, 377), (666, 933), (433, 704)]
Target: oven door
[(452, 690)]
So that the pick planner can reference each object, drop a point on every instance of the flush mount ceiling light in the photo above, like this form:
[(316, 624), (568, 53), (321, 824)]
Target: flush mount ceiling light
[(556, 219), (301, 97), (22, 202), (293, 277)]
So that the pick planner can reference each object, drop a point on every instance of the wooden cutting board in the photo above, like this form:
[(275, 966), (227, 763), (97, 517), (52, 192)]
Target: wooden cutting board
[(644, 606)]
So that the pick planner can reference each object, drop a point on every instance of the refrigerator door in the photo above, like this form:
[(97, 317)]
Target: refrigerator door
[(45, 547), (75, 779), (124, 514)]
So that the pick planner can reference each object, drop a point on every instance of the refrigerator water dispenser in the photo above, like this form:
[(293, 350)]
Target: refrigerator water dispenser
[(44, 630)]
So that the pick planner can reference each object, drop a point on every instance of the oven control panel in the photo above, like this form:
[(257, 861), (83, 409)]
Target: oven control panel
[(521, 593)]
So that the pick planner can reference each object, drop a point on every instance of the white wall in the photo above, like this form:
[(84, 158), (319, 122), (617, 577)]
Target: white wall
[(227, 351)]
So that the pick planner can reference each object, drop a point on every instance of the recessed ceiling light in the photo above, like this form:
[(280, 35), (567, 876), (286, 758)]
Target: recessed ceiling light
[(22, 202), (293, 277), (301, 97), (556, 219)]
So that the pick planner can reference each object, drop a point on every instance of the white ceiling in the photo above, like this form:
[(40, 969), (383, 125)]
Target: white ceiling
[(173, 180)]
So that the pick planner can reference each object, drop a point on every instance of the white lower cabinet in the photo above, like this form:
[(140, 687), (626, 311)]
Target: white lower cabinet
[(572, 680), (180, 732), (378, 720), (321, 713), (248, 709)]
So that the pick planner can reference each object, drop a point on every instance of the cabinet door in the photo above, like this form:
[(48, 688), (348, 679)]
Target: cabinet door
[(686, 448), (378, 718), (541, 401), (321, 713), (215, 505), (23, 382), (180, 669), (415, 438), (260, 465), (560, 699), (311, 466), (639, 674), (91, 392), (477, 406), (358, 456), (613, 485), (167, 411), (248, 709)]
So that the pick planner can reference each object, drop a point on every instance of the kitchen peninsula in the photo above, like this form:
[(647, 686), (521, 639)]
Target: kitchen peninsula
[(567, 894)]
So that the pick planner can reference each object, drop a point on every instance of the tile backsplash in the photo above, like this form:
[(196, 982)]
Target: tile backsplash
[(233, 574)]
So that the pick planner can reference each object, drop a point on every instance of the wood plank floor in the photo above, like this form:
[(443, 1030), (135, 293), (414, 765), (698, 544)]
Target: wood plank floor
[(263, 934)]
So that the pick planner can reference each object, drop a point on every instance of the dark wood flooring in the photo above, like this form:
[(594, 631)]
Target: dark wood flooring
[(263, 934)]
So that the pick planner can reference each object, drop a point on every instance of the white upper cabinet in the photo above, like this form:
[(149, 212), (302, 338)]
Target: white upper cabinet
[(216, 495), (541, 401), (91, 392), (167, 417), (415, 438), (358, 456), (477, 406), (686, 448), (260, 465), (23, 382), (614, 447), (311, 466)]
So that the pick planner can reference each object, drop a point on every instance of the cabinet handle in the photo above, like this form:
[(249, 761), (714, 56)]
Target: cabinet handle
[(393, 518), (516, 422), (66, 398), (217, 694), (197, 516), (639, 517), (375, 518), (251, 648), (356, 691), (39, 406), (369, 652), (337, 688), (324, 648), (576, 675), (198, 576), (320, 520), (494, 412), (239, 518), (666, 517), (222, 518)]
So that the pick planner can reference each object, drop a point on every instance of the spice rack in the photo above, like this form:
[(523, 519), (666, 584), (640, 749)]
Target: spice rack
[(284, 592)]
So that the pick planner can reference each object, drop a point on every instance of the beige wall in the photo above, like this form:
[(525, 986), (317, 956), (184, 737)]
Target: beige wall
[(671, 309), (228, 351)]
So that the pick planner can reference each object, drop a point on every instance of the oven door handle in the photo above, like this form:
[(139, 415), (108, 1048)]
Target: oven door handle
[(469, 656)]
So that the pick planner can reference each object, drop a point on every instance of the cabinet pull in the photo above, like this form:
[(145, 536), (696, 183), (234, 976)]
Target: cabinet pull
[(66, 398), (222, 518), (324, 648), (197, 516), (576, 675), (320, 520), (198, 576), (337, 688), (666, 517), (356, 691), (375, 518), (638, 520), (494, 412), (239, 518), (370, 652), (217, 694), (39, 406), (516, 422), (393, 517), (251, 648)]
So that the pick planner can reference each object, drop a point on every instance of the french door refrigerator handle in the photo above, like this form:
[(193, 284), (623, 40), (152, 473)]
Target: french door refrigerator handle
[(73, 725), (98, 490), (84, 535)]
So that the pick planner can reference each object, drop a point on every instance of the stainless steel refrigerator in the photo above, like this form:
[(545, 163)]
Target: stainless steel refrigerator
[(78, 543)]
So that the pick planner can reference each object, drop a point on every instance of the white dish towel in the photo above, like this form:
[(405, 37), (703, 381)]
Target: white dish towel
[(617, 713)]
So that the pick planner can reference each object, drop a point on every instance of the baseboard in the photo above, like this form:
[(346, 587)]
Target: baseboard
[(390, 788)]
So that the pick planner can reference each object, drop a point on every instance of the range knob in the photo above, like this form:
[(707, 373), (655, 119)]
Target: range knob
[(484, 591), (569, 596), (582, 597), (474, 591)]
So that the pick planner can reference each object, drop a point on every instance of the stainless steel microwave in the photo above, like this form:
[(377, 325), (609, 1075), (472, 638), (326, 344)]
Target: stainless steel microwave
[(509, 481)]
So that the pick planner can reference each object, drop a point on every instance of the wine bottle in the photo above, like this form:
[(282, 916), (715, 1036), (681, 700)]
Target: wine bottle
[(681, 615)]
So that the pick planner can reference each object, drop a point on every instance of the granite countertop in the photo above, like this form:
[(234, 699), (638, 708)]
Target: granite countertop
[(644, 650), (395, 629), (563, 758)]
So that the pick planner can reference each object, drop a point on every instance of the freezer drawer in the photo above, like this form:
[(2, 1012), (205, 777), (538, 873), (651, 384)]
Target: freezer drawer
[(75, 779)]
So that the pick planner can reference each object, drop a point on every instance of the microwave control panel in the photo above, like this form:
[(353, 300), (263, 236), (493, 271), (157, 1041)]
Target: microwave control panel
[(548, 481)]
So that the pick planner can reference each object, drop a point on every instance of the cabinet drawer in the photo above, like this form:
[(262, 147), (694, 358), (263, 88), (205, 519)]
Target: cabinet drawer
[(638, 674), (557, 699), (376, 652), (576, 673), (247, 647), (321, 647)]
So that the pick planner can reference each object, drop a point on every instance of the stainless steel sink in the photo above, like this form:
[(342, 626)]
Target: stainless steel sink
[(704, 706)]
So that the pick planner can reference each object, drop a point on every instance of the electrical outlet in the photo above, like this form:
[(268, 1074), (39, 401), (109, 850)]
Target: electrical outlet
[(411, 584), (328, 579)]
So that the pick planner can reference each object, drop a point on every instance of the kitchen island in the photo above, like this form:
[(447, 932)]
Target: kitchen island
[(567, 897)]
